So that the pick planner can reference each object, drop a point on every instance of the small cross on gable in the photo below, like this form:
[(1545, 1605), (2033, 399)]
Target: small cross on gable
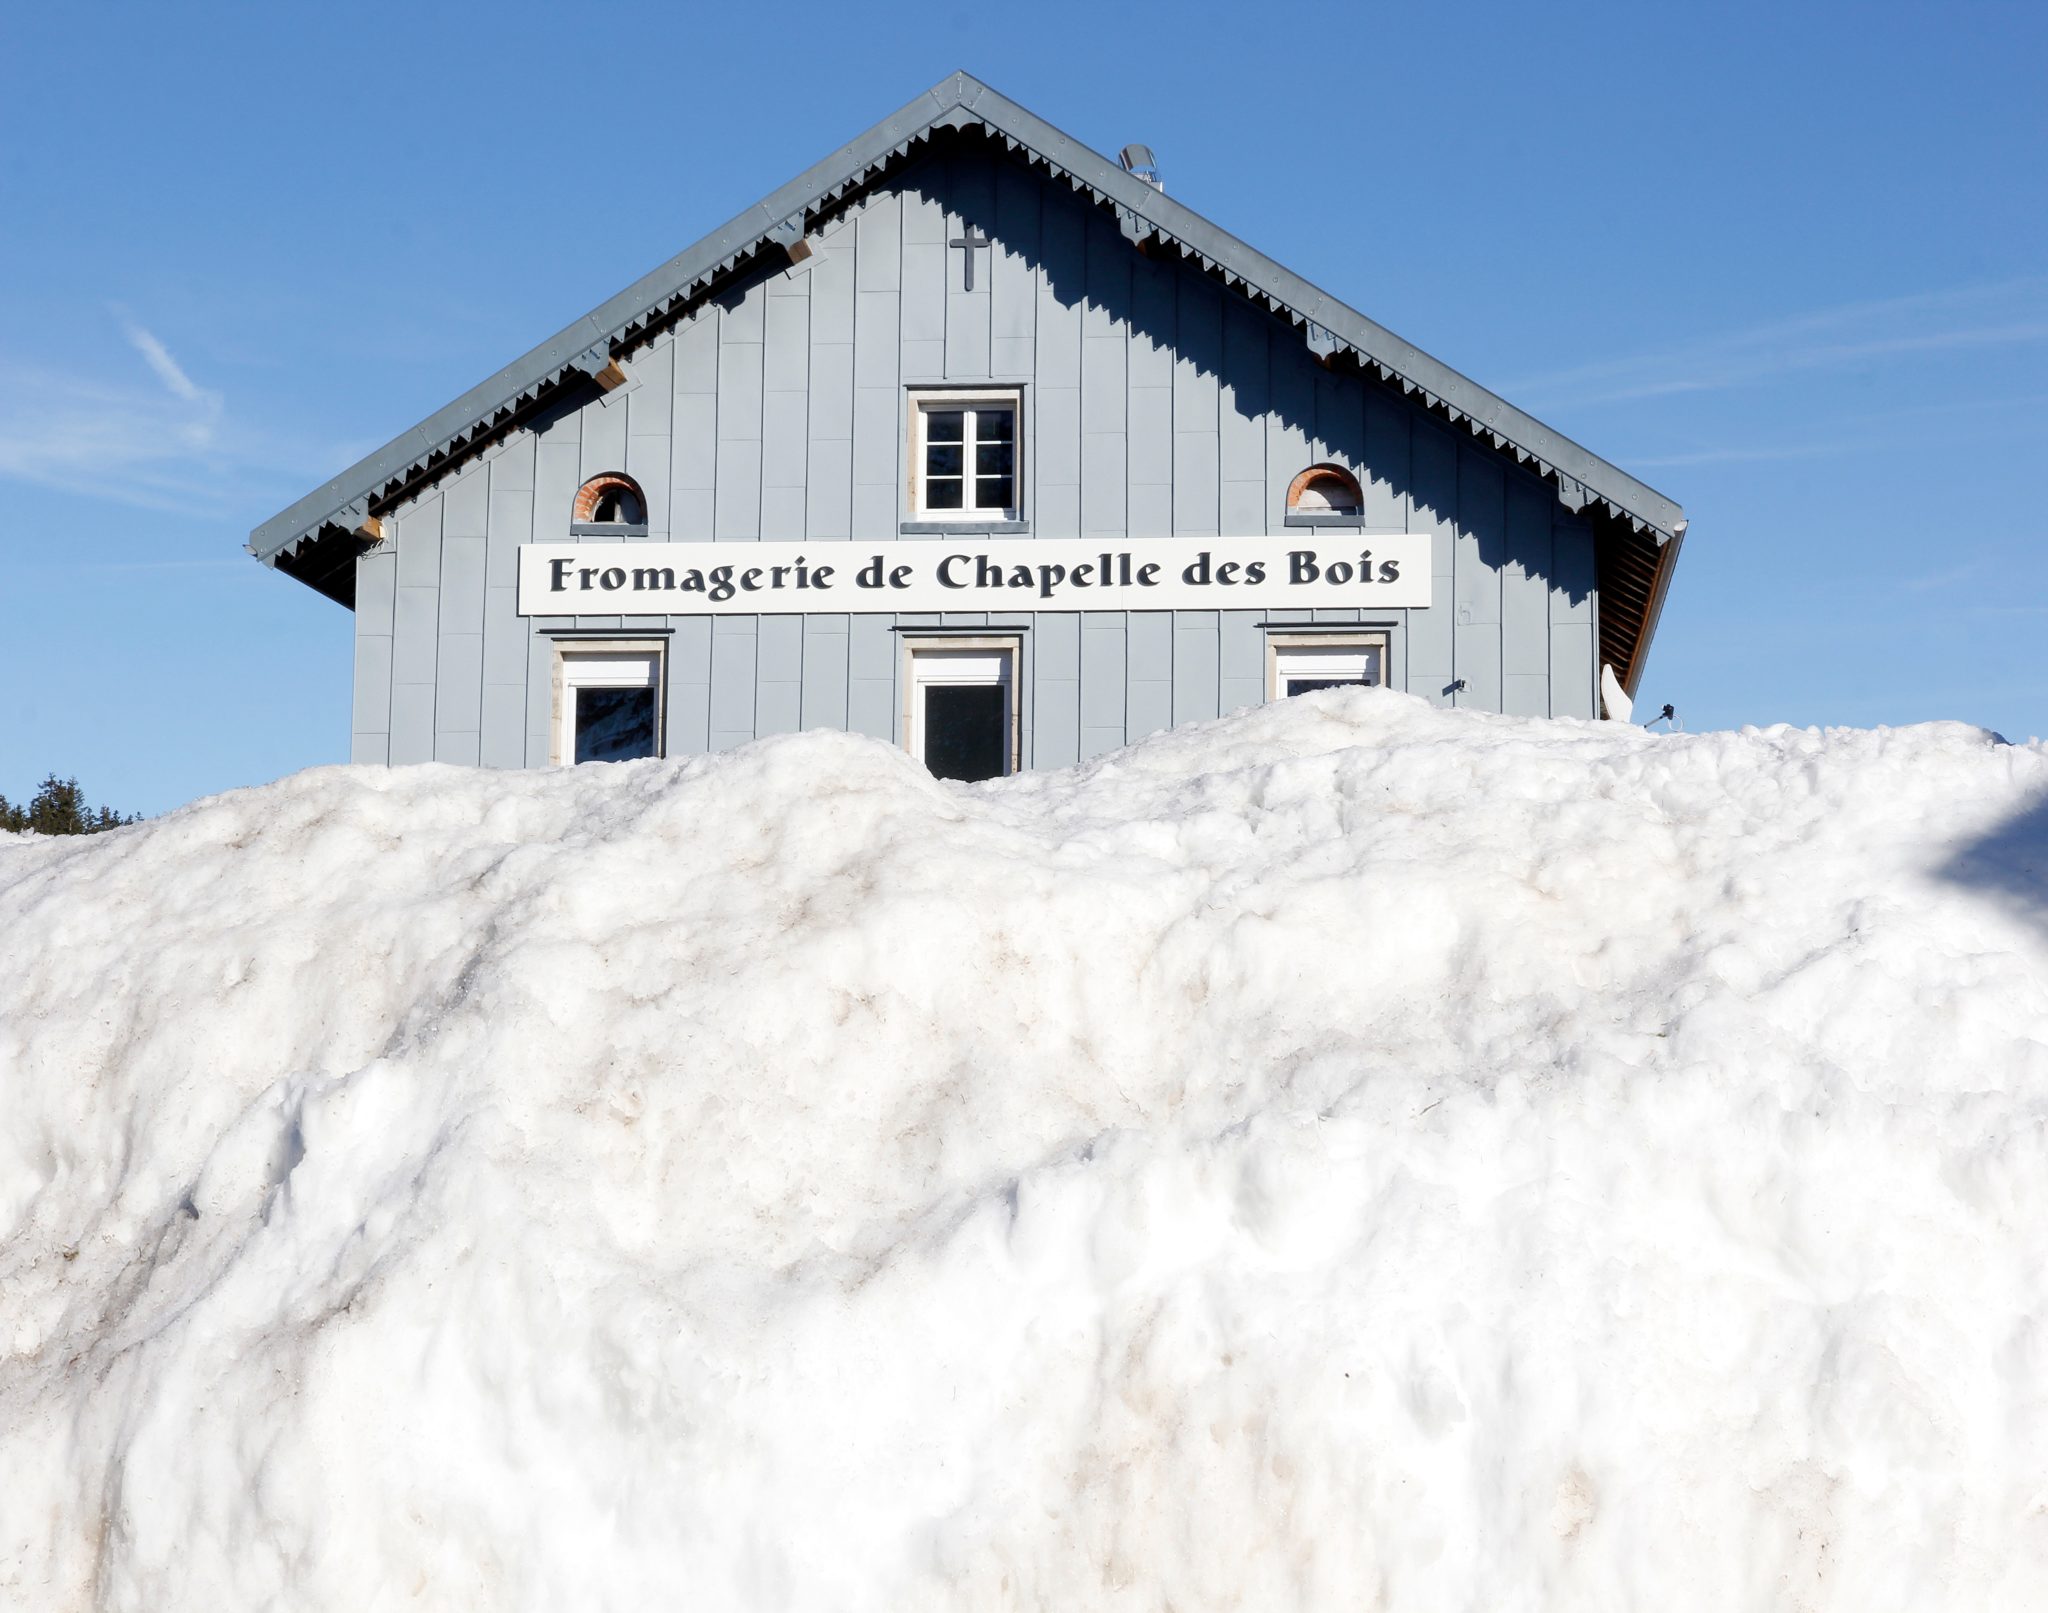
[(970, 243)]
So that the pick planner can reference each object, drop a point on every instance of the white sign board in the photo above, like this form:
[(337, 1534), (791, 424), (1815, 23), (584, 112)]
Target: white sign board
[(1372, 571)]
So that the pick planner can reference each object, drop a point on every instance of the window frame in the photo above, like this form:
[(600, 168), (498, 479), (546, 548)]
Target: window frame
[(1008, 649), (924, 399), (1280, 647), (569, 678)]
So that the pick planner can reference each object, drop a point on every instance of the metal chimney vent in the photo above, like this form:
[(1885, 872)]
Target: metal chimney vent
[(1139, 160)]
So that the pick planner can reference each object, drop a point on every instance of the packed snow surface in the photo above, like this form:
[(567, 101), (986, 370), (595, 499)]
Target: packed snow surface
[(1346, 1156)]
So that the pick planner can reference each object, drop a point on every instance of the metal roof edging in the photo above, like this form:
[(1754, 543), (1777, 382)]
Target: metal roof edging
[(962, 98)]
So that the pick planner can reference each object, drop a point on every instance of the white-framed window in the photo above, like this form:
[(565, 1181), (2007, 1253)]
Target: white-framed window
[(1301, 663), (960, 705), (608, 700), (966, 455)]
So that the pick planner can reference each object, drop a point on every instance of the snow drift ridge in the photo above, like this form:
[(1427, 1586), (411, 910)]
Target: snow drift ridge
[(1348, 1155)]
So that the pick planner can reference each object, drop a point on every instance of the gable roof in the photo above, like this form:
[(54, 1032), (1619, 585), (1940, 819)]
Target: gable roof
[(315, 539)]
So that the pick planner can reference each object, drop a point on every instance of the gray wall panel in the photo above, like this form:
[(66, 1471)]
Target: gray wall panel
[(557, 474), (779, 675), (604, 435), (1525, 587), (1431, 650), (922, 317), (1155, 402), (1241, 660), (1197, 679), (871, 681), (971, 198), (825, 665), (1476, 555), (732, 681), (1012, 276), (1148, 667), (1053, 652), (376, 604), (689, 686), (412, 723), (1103, 685), (1573, 677), (540, 698), (371, 706)]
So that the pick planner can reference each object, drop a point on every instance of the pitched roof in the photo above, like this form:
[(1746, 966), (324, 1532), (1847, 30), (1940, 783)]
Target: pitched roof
[(313, 539)]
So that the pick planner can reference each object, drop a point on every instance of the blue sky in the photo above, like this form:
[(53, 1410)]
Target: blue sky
[(1787, 264)]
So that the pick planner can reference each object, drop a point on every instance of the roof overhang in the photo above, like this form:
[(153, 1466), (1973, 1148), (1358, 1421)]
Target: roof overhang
[(331, 517)]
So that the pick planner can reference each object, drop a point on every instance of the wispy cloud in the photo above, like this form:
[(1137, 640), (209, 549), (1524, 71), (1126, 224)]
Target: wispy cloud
[(152, 437), (2010, 313)]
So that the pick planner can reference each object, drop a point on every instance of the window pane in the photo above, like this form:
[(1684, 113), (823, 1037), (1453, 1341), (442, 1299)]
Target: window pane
[(942, 493), (995, 425), (992, 458), (942, 459), (1310, 685), (992, 493), (943, 425), (614, 725), (966, 730)]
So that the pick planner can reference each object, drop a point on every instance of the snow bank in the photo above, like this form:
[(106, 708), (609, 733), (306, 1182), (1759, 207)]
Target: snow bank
[(1344, 1156)]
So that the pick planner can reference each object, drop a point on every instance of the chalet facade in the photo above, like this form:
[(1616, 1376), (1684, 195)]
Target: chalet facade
[(975, 441)]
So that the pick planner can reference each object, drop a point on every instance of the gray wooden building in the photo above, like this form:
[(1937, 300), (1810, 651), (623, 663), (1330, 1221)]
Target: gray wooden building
[(976, 441)]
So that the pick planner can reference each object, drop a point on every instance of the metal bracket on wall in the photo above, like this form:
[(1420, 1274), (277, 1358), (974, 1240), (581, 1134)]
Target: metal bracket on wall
[(789, 235), (1321, 342), (1571, 492), (597, 363)]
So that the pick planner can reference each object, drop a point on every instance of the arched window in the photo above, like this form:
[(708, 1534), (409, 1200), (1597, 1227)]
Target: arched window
[(610, 500), (1325, 490)]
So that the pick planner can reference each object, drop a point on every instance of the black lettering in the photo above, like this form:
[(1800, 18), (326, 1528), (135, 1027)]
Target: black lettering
[(1226, 574), (1083, 574), (821, 576), (1148, 574), (558, 575), (693, 582), (750, 579), (1301, 566), (870, 575), (1339, 572), (899, 576), (986, 575), (1390, 571), (721, 582), (1196, 572), (776, 574), (648, 577), (1020, 576), (1123, 569), (614, 577), (1049, 578), (1255, 571), (584, 574), (946, 571)]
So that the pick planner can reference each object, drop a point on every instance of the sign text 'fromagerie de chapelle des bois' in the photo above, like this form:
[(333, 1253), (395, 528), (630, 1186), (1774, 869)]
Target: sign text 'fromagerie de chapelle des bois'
[(1380, 571)]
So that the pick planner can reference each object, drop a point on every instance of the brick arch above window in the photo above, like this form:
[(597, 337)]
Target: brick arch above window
[(612, 499), (1325, 490)]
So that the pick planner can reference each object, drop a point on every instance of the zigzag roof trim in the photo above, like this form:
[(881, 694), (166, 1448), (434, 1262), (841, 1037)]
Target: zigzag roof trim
[(1145, 215)]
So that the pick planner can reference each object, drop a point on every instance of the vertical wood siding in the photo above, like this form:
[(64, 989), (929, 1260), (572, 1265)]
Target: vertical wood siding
[(1156, 404)]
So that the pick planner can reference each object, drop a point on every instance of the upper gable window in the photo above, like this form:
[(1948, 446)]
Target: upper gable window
[(965, 460), (610, 500), (1325, 490)]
